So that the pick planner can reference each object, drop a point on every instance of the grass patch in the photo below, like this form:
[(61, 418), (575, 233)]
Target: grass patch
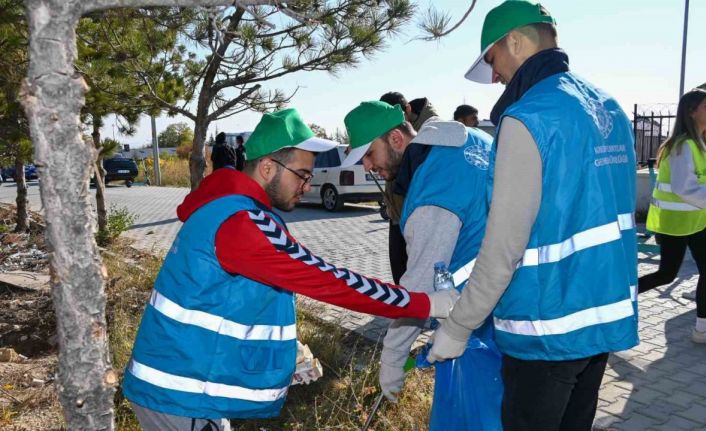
[(343, 398), (131, 277)]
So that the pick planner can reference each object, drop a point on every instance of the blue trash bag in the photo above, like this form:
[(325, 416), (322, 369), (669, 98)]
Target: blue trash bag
[(468, 390)]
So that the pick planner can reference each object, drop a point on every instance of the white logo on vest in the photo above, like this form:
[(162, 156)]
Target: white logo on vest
[(477, 155), (600, 116)]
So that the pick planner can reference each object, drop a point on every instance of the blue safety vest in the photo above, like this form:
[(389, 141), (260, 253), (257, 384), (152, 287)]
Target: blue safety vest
[(213, 344), (455, 178), (573, 294)]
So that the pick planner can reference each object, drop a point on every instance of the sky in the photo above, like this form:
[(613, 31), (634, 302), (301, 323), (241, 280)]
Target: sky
[(629, 48)]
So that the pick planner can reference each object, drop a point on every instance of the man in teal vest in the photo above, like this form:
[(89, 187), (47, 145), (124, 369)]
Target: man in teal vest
[(558, 265), (218, 337), (442, 173)]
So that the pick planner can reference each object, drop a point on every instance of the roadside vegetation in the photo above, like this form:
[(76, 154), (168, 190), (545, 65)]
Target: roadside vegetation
[(174, 170), (118, 221)]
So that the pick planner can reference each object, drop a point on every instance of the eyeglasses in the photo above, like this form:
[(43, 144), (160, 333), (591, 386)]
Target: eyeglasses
[(306, 178)]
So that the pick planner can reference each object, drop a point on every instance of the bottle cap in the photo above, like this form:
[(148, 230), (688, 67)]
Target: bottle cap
[(440, 265)]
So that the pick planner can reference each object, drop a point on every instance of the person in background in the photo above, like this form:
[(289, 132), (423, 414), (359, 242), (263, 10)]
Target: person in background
[(218, 336), (222, 154), (691, 295), (416, 112), (677, 212), (558, 264), (467, 115), (239, 152)]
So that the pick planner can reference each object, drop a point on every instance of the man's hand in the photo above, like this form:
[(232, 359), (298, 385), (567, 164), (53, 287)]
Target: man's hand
[(442, 302), (445, 347), (391, 380)]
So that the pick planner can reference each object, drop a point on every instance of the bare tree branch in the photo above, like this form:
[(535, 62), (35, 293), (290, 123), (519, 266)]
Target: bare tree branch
[(96, 5), (435, 23), (234, 102)]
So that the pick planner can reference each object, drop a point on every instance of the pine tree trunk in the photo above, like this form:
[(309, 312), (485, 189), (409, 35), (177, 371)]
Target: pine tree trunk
[(100, 180), (53, 95), (197, 161), (22, 216)]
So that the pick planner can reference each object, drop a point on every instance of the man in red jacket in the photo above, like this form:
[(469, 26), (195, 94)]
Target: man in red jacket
[(217, 337), (279, 179)]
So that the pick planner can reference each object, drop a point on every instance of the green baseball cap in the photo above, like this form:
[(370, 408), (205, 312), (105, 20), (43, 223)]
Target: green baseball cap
[(504, 18), (283, 129), (367, 122)]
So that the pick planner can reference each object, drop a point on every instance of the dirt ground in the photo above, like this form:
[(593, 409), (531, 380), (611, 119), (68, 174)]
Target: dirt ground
[(27, 327), (28, 363)]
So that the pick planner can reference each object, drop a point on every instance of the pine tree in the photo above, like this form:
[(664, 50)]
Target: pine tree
[(15, 146), (239, 49)]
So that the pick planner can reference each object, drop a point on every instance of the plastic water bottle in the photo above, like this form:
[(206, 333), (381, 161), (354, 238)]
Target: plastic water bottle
[(443, 279)]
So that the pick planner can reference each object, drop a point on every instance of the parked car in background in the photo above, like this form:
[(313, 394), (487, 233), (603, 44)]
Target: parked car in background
[(333, 186), (119, 168), (8, 174)]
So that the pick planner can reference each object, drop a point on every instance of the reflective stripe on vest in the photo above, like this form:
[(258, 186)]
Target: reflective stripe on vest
[(572, 322), (555, 252), (463, 273), (674, 206), (187, 384), (665, 187), (220, 325), (580, 241)]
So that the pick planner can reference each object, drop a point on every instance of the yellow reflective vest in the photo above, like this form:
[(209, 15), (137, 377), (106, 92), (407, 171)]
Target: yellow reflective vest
[(669, 214)]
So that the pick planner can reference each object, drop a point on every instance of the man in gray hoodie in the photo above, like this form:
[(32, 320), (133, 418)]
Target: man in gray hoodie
[(417, 112), (442, 174)]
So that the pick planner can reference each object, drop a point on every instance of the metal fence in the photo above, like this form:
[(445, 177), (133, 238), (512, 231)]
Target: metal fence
[(651, 126)]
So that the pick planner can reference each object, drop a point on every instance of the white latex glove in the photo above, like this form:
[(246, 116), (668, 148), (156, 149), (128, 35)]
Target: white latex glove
[(391, 380), (444, 347), (442, 302)]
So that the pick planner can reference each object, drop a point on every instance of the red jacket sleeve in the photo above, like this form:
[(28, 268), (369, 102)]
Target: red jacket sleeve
[(252, 244)]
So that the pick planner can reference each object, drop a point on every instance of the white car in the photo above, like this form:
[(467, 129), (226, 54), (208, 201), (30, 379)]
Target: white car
[(333, 185)]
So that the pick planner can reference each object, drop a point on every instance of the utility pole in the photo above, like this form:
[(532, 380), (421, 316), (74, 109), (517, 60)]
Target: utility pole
[(155, 153), (683, 48)]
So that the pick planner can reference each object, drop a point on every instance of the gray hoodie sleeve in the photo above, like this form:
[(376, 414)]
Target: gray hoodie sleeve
[(515, 202), (684, 180), (431, 233)]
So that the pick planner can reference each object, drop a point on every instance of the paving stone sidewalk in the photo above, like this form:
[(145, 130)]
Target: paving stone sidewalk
[(658, 385)]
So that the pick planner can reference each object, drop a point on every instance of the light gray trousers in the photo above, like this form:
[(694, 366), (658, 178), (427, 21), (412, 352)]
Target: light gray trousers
[(151, 420)]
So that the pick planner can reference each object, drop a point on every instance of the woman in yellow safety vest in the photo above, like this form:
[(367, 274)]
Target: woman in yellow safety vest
[(678, 208)]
